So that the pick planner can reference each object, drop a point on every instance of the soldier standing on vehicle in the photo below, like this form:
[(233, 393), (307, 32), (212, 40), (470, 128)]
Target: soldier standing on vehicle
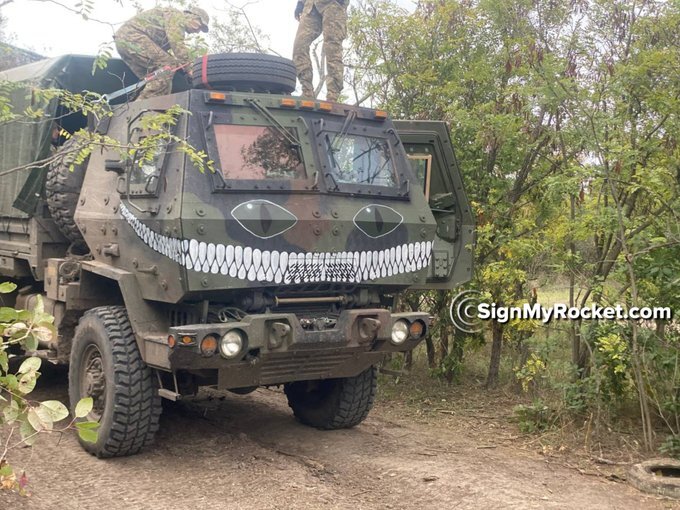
[(154, 39), (316, 17)]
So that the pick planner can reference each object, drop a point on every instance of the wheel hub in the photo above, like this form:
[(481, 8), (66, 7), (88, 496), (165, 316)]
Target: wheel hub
[(94, 381)]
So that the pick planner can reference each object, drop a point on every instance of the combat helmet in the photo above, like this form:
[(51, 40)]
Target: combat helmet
[(200, 14)]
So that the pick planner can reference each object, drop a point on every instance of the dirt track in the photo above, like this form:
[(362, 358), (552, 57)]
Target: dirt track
[(229, 451)]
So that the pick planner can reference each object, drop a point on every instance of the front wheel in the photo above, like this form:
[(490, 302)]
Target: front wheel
[(106, 365), (333, 403)]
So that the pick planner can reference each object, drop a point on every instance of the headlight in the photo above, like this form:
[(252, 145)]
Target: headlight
[(231, 343), (399, 332), (417, 329)]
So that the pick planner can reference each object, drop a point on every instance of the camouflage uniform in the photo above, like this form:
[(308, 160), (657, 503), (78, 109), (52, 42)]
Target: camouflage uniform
[(330, 18), (154, 39)]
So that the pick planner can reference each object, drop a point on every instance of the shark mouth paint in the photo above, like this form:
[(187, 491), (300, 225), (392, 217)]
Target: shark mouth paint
[(253, 264)]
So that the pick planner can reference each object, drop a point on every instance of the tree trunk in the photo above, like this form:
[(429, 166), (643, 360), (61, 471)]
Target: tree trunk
[(430, 352), (661, 329), (496, 347), (408, 361)]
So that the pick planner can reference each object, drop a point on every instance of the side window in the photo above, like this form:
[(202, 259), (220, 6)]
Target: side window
[(148, 159), (422, 168)]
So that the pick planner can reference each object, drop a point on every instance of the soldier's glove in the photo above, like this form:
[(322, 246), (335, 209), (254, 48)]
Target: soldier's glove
[(298, 10)]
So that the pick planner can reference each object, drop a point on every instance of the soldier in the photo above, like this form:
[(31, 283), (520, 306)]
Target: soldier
[(154, 39), (316, 17)]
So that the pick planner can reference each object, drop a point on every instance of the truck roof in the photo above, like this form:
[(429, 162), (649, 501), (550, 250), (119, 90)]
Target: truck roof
[(73, 73)]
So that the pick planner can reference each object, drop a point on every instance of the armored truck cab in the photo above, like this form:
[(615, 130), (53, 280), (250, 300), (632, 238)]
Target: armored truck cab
[(277, 264)]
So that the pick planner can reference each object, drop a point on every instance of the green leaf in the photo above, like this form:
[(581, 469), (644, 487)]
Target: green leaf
[(24, 315), (10, 382), (30, 365), (89, 425), (27, 382), (39, 307), (31, 343), (27, 433), (83, 407), (7, 287), (8, 314), (18, 328), (4, 361), (6, 470), (44, 332), (45, 416), (11, 412), (39, 420), (87, 435), (55, 409)]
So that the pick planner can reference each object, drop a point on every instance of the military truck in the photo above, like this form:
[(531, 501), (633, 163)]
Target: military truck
[(280, 267)]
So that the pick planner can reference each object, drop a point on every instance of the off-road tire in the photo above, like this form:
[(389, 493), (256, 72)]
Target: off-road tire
[(62, 190), (132, 407), (333, 403), (245, 72)]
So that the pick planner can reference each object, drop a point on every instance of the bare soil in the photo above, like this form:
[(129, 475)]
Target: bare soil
[(221, 450)]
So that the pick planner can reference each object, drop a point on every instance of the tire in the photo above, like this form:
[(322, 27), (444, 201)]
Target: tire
[(62, 190), (245, 72), (657, 476), (333, 403), (106, 364)]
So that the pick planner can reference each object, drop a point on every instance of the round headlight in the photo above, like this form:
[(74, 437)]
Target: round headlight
[(399, 332), (231, 343)]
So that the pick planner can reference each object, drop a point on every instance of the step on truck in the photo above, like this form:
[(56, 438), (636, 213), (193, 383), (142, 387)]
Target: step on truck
[(278, 266)]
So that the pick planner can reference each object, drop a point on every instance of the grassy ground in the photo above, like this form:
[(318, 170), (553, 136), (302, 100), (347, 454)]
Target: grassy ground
[(580, 438)]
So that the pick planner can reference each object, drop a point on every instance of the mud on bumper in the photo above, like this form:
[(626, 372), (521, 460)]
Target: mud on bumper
[(277, 349)]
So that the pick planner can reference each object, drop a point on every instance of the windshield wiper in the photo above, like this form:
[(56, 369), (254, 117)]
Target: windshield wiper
[(344, 130), (279, 127)]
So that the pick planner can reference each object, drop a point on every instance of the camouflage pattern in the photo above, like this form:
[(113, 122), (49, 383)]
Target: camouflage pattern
[(309, 261), (154, 39), (244, 238), (327, 17)]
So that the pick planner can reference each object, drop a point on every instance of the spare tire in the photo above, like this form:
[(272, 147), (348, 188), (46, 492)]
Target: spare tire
[(248, 72), (657, 476), (62, 190)]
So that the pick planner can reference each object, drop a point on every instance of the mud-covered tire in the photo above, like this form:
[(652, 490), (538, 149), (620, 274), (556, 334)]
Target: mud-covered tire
[(62, 190), (128, 407), (333, 403), (657, 476), (244, 71)]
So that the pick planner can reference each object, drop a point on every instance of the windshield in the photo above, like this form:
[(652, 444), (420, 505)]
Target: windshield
[(360, 160), (257, 152)]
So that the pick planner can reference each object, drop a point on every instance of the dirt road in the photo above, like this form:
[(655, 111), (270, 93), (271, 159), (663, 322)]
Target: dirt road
[(228, 451)]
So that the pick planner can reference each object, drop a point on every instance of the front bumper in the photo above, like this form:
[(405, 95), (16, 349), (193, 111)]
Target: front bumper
[(279, 350)]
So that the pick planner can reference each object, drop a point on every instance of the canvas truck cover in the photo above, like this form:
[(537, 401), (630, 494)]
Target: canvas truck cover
[(22, 142)]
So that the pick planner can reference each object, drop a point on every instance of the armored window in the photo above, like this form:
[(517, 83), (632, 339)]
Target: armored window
[(152, 144), (360, 160), (147, 164), (257, 153), (421, 165)]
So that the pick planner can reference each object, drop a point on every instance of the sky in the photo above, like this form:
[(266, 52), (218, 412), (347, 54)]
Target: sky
[(50, 30)]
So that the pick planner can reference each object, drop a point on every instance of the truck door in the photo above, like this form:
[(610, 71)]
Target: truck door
[(429, 149)]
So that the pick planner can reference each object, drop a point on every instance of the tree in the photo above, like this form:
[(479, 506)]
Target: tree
[(564, 116)]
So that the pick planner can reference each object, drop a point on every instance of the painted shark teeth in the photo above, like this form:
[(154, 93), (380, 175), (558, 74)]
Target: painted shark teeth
[(246, 263)]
